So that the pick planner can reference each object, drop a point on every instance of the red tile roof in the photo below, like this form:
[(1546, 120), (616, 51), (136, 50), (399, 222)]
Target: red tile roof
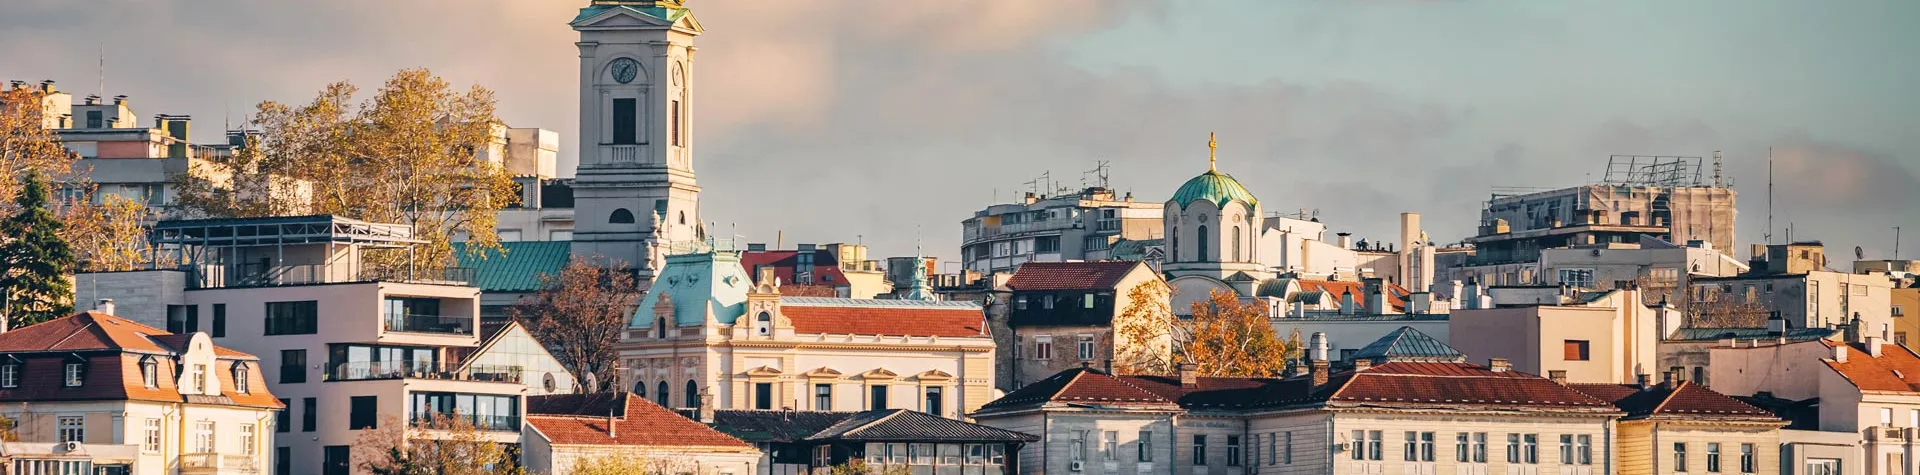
[(1100, 275), (1419, 383), (1897, 369), (1685, 401), (1404, 384), (942, 321), (826, 269), (112, 348), (639, 422), (1396, 295), (1083, 386)]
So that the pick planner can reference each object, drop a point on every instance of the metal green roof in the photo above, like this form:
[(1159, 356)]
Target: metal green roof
[(516, 266), (1408, 344), (1219, 188)]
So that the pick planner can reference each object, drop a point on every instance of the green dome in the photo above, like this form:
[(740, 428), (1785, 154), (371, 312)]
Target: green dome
[(1214, 186)]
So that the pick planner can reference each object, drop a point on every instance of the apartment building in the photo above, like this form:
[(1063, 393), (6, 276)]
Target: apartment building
[(353, 343), (1599, 337), (705, 326), (98, 394), (1078, 226), (1422, 413), (820, 270), (1853, 402), (1064, 314), (1682, 427), (1794, 282)]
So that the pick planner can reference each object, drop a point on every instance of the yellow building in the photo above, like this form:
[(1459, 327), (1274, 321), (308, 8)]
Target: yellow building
[(704, 326), (1906, 325), (1682, 427)]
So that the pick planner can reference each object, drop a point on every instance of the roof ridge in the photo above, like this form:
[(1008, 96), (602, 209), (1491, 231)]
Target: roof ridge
[(891, 413), (1668, 399), (90, 324)]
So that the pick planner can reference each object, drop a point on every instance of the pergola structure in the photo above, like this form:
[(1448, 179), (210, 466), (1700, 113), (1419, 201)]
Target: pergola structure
[(217, 250)]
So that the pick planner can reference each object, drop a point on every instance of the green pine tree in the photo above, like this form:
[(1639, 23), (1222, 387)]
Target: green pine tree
[(34, 261)]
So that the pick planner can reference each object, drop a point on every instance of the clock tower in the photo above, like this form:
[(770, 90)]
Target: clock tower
[(634, 192)]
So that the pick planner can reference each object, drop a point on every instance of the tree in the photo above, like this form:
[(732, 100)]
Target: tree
[(439, 446), (27, 143), (417, 153), (108, 237), (1143, 337), (580, 314), (35, 261), (1224, 337), (625, 463), (861, 467)]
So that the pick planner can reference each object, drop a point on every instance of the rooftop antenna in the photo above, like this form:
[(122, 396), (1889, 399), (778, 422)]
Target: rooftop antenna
[(1716, 169), (1099, 173), (1769, 234), (103, 70), (1896, 243)]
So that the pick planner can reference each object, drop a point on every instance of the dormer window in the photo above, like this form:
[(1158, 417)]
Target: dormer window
[(150, 372), (10, 374), (75, 374), (240, 378), (200, 378)]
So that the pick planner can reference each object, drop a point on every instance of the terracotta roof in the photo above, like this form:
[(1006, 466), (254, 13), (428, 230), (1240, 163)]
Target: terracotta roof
[(1685, 401), (1897, 369), (1100, 275), (1411, 383), (885, 317), (571, 420), (1336, 289), (112, 349), (1082, 385), (1405, 384)]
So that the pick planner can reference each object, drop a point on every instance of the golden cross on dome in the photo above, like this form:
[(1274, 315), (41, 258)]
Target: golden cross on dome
[(1211, 147)]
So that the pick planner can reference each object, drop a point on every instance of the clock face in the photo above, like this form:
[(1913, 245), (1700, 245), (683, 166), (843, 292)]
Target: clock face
[(625, 69)]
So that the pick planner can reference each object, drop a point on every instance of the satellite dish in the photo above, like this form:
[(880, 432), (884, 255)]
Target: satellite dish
[(1859, 253), (593, 383)]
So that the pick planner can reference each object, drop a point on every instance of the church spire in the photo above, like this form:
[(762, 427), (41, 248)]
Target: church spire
[(1211, 147)]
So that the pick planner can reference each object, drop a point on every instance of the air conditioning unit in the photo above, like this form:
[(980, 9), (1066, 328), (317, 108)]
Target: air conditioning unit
[(70, 446), (1076, 466)]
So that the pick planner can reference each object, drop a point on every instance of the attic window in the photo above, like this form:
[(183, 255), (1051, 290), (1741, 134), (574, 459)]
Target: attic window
[(75, 374), (240, 377), (10, 374), (150, 372)]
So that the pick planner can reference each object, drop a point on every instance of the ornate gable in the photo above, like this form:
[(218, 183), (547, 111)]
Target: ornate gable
[(879, 373)]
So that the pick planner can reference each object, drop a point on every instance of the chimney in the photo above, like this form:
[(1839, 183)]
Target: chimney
[(1873, 346), (1559, 376), (1840, 352), (1189, 375), (765, 275), (1776, 326), (1347, 305), (1346, 240), (1499, 365), (120, 100), (1455, 295), (706, 406), (1472, 295), (1362, 364), (1644, 380), (46, 86), (1853, 330), (1376, 290), (1319, 373), (104, 306), (93, 99), (613, 433), (1317, 346)]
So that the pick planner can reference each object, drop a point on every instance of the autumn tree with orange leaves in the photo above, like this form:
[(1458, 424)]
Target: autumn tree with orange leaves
[(1224, 337)]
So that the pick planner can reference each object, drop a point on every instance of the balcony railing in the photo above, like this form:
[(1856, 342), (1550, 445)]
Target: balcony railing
[(625, 154), (372, 370), (487, 423), (265, 275), (417, 323), (219, 463)]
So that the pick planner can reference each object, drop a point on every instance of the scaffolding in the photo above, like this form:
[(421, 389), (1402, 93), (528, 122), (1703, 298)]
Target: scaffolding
[(1660, 171)]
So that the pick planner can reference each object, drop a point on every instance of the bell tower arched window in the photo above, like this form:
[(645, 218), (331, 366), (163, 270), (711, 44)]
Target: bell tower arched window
[(621, 216), (1237, 257), (1201, 236)]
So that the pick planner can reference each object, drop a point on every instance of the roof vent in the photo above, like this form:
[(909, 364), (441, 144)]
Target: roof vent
[(1499, 365)]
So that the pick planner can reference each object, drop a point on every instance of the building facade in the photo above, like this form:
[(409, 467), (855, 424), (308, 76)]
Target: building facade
[(98, 394), (565, 431), (706, 327), (1609, 338), (1071, 227), (1064, 314), (1683, 427), (1675, 207), (1793, 283), (797, 442), (1855, 406), (830, 270)]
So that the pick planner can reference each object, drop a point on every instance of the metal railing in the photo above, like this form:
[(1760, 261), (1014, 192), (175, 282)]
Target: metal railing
[(219, 463), (487, 423), (418, 323), (372, 370), (271, 275)]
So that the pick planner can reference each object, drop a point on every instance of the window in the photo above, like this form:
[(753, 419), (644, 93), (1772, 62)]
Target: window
[(309, 414), (1078, 448), (151, 443), (664, 398), (1086, 301), (76, 372), (364, 412), (1823, 467), (877, 397), (293, 366), (150, 372), (1411, 451), (203, 437), (823, 397), (625, 118), (10, 375), (1746, 458), (1046, 244), (1204, 256), (193, 319), (1199, 449), (1577, 278), (1043, 347), (1426, 447), (72, 428), (620, 216), (1713, 457), (1233, 451), (1576, 350), (1584, 443), (1359, 449), (199, 378), (1112, 445), (1886, 416), (1898, 311), (1086, 348), (293, 318), (1374, 442), (1046, 302), (1566, 449), (1513, 448), (677, 140), (1679, 456), (508, 235), (241, 378), (1533, 448), (1145, 446), (1020, 302), (1479, 447), (335, 459), (934, 400), (693, 395), (1253, 450), (219, 320), (1236, 257), (247, 440), (1287, 457), (487, 412), (283, 461), (763, 396), (283, 418), (95, 120), (1461, 447), (1665, 274)]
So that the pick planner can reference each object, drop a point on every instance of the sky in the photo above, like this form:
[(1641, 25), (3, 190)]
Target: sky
[(890, 122)]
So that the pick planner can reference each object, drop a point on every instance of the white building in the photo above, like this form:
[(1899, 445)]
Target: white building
[(564, 431), (98, 394), (353, 345), (1862, 397)]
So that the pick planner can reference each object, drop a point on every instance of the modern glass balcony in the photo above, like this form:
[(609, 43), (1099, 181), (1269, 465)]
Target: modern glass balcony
[(424, 323), (372, 370)]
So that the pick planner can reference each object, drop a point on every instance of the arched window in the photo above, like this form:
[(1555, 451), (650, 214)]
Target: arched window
[(640, 389), (1237, 257), (621, 216), (1201, 236), (765, 322), (666, 398), (693, 395), (660, 328), (683, 217), (1173, 245), (240, 377), (149, 372)]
